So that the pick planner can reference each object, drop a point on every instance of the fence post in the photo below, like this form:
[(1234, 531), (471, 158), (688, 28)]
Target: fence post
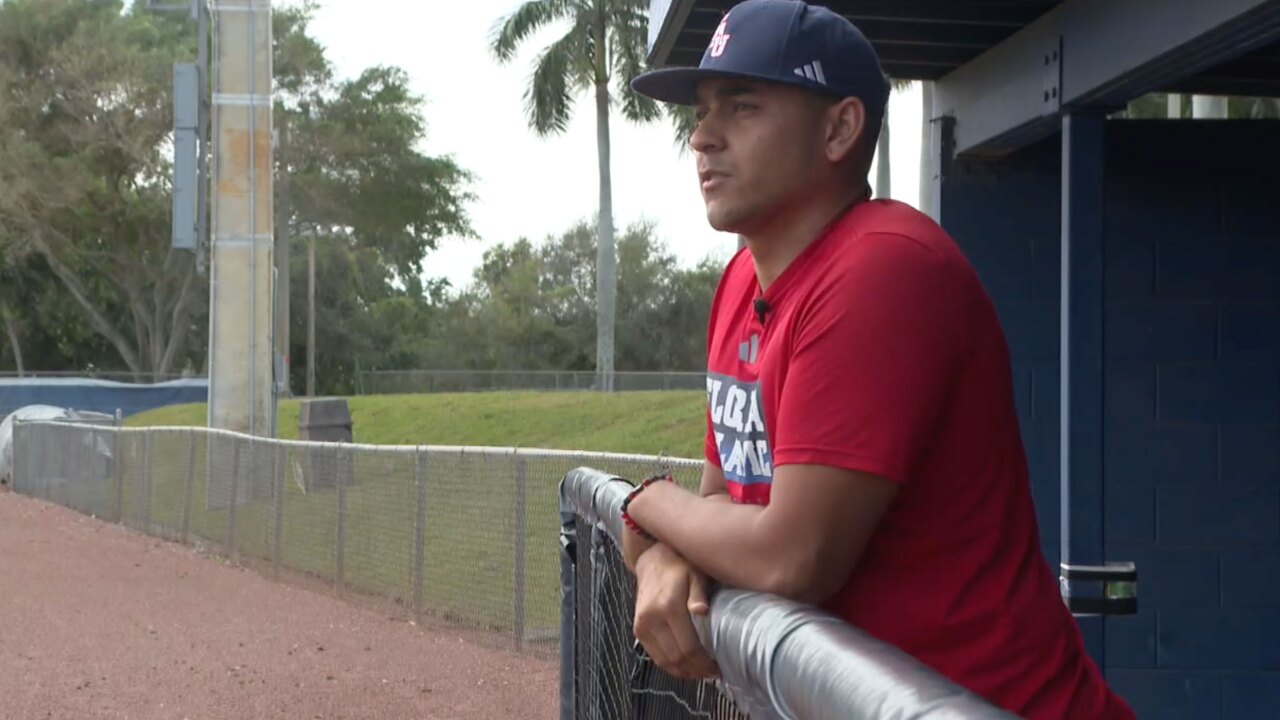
[(568, 606), (519, 546), (341, 549), (146, 483), (119, 479), (419, 527), (188, 477), (235, 499), (13, 458), (278, 470)]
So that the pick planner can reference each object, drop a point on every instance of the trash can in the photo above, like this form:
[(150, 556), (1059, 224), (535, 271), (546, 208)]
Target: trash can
[(326, 420)]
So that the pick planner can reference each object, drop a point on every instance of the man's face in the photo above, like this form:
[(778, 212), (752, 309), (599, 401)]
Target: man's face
[(759, 148)]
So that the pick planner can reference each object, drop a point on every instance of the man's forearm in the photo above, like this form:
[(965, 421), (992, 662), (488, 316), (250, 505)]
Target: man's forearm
[(720, 538)]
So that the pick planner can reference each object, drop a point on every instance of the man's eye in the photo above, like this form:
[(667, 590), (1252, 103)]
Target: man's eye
[(743, 107), (700, 115)]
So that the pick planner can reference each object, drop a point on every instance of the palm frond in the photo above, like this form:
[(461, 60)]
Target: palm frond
[(549, 97), (629, 42), (683, 123), (507, 33)]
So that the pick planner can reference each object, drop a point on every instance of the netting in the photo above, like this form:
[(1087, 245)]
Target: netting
[(613, 676)]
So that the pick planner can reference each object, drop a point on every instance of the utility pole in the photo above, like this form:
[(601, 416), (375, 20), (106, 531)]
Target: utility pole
[(283, 212), (311, 315)]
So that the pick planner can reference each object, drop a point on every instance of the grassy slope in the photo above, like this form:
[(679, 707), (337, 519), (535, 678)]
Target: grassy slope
[(655, 423)]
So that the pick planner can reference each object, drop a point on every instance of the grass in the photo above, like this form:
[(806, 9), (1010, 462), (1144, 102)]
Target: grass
[(470, 543), (653, 423)]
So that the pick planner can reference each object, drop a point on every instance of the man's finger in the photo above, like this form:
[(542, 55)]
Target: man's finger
[(693, 658), (698, 592), (662, 647)]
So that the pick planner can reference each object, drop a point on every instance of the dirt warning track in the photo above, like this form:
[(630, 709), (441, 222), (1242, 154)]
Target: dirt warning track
[(97, 621)]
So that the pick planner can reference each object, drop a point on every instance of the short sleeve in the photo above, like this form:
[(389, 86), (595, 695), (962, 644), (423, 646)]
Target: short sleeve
[(874, 354)]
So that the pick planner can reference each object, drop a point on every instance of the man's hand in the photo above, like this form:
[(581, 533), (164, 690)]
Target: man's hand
[(668, 590)]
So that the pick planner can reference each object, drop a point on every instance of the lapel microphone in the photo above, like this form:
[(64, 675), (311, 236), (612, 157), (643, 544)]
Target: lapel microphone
[(762, 308)]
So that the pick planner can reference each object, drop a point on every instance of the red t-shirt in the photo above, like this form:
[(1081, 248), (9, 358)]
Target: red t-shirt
[(881, 352)]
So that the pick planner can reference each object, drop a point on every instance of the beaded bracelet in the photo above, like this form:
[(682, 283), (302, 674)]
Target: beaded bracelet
[(626, 503)]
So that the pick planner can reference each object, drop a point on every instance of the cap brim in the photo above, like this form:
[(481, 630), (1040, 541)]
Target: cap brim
[(679, 85)]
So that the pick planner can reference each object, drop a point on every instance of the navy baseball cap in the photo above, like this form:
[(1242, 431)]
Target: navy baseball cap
[(782, 41)]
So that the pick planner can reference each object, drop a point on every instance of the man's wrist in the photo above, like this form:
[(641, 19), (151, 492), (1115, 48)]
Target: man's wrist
[(638, 496), (656, 552)]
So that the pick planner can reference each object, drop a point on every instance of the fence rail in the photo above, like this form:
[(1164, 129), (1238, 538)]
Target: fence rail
[(385, 382), (463, 534), (777, 658)]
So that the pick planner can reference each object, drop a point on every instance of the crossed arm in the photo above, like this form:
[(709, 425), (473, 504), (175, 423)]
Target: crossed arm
[(802, 545)]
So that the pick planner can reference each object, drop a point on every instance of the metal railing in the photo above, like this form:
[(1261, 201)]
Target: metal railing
[(777, 658)]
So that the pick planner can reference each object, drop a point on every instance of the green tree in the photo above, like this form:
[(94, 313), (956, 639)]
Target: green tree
[(85, 122), (359, 185), (602, 49), (83, 174), (530, 307)]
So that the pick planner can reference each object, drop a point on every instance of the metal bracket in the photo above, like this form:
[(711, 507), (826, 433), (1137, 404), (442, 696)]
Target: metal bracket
[(1052, 86), (1119, 588)]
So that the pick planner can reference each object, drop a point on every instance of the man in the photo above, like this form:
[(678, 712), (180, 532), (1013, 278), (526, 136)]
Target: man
[(862, 449)]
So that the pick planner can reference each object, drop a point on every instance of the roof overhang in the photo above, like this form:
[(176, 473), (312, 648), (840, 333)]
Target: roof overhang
[(1007, 70)]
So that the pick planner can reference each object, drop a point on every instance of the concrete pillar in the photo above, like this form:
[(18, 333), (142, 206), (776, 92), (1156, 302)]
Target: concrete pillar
[(241, 283)]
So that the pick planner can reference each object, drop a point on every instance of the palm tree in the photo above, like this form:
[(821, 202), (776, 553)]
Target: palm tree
[(601, 51)]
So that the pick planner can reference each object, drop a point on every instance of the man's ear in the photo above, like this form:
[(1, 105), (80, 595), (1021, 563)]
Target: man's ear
[(846, 125)]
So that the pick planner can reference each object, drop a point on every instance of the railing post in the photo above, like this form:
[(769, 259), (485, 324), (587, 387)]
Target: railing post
[(119, 477), (278, 471), (235, 499), (146, 483), (420, 459), (13, 458), (341, 540), (184, 523), (568, 607), (521, 488)]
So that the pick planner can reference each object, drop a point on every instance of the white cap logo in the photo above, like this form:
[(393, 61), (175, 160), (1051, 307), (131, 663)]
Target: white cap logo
[(721, 38)]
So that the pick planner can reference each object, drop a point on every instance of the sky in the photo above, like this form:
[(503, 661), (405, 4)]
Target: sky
[(526, 186)]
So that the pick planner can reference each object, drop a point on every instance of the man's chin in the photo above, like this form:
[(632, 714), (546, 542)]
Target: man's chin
[(723, 220)]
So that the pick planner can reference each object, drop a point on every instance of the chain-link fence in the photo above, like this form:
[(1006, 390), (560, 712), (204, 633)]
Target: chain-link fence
[(388, 382), (466, 535)]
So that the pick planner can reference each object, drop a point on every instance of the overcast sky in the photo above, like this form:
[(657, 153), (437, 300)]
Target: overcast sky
[(527, 186)]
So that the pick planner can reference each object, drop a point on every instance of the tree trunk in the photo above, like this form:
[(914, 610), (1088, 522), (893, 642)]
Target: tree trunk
[(11, 327), (96, 319), (606, 260), (883, 186), (177, 321)]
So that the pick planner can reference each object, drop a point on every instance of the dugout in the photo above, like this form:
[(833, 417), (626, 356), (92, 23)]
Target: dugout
[(1135, 265)]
